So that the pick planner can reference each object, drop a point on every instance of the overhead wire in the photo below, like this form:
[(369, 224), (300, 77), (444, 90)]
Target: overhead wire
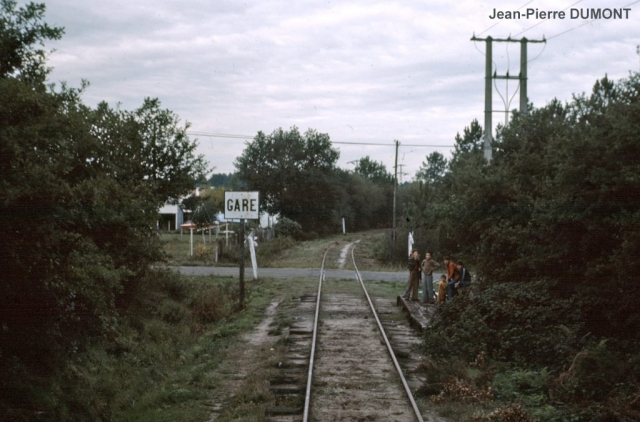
[(236, 136), (545, 20), (497, 23), (587, 22)]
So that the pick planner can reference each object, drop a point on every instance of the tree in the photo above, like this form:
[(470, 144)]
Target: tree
[(363, 203), (221, 180), (432, 170), (469, 145), (374, 171), (206, 206), (551, 230), (559, 205), (22, 33), (293, 173), (79, 197)]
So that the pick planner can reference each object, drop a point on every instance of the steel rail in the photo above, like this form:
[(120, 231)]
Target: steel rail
[(307, 397), (386, 340)]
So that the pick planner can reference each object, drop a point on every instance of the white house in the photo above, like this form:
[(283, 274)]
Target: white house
[(171, 217)]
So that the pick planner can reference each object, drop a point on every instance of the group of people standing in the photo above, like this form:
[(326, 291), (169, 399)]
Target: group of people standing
[(457, 277)]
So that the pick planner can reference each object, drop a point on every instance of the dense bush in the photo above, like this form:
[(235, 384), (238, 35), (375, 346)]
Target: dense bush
[(286, 227), (516, 323), (79, 194), (550, 228)]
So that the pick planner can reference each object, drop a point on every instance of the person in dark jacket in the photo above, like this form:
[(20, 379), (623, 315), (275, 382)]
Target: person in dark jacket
[(463, 280), (465, 276)]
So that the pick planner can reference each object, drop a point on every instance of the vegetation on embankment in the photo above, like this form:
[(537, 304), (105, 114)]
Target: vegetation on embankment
[(551, 228)]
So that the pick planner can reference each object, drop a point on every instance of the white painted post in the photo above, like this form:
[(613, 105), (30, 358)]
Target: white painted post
[(252, 249), (410, 242), (191, 241), (343, 227)]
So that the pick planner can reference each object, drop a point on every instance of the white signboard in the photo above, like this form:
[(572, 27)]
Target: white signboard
[(239, 205)]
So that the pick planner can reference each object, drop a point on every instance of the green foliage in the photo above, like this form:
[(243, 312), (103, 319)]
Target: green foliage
[(215, 303), (469, 145), (293, 173), (297, 179), (285, 227), (522, 384), (363, 202), (79, 197), (22, 34), (223, 180), (374, 171), (432, 170), (270, 250), (596, 373), (550, 229), (516, 323)]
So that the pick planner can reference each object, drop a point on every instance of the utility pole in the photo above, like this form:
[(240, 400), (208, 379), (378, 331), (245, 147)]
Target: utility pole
[(401, 172), (395, 192), (488, 80)]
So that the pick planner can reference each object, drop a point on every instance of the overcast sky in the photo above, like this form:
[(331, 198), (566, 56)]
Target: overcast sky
[(361, 71)]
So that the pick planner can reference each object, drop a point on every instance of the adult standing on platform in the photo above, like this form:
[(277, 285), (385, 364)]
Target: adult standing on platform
[(428, 265), (414, 276)]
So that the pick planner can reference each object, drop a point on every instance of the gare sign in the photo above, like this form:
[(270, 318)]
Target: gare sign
[(239, 205)]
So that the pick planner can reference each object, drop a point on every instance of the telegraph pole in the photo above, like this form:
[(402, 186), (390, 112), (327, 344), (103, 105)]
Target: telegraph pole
[(488, 80), (395, 191)]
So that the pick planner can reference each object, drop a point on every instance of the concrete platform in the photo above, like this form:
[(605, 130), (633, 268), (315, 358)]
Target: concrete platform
[(419, 314)]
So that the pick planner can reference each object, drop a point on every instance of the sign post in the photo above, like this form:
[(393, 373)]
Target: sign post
[(243, 206)]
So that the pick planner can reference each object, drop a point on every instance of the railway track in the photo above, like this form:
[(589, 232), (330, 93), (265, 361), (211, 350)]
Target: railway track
[(346, 355)]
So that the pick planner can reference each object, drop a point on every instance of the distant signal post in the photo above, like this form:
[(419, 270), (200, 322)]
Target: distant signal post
[(243, 206)]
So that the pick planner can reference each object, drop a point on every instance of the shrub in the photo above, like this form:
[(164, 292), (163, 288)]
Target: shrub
[(522, 324), (510, 413), (215, 303), (269, 250), (594, 374), (528, 386), (286, 227), (438, 373)]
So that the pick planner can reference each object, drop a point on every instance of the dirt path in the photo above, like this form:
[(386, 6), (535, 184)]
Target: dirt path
[(343, 255), (233, 375)]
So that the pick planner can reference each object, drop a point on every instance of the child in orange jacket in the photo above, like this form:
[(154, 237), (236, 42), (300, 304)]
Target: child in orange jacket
[(442, 289)]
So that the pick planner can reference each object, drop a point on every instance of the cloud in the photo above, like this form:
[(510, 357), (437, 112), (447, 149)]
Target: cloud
[(360, 71)]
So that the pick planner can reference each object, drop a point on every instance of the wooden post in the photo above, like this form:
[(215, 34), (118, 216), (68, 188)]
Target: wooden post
[(242, 263)]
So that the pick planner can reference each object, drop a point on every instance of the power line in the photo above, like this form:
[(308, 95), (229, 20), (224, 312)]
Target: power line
[(235, 136), (546, 20), (392, 144), (587, 22), (219, 135), (497, 23)]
